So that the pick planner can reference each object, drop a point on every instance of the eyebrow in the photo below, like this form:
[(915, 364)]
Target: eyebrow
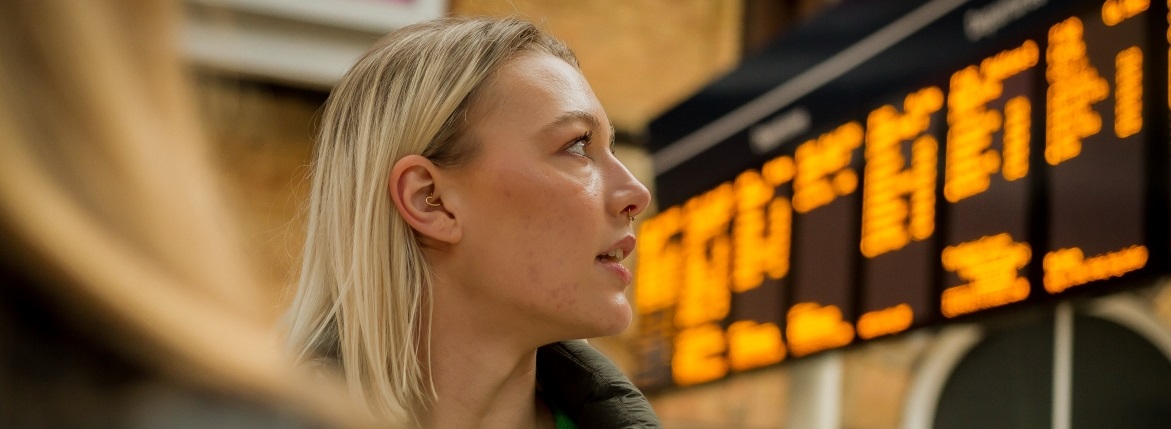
[(576, 116)]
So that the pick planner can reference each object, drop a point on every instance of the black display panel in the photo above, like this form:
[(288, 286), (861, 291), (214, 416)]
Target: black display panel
[(987, 179), (1095, 149), (898, 212), (826, 193)]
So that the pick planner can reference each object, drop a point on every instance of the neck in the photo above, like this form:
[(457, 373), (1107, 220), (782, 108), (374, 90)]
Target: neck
[(483, 378)]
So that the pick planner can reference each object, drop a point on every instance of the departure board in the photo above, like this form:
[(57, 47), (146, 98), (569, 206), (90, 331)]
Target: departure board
[(931, 161)]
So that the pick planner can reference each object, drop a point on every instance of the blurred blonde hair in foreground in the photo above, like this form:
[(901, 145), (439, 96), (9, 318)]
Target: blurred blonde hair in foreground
[(109, 210)]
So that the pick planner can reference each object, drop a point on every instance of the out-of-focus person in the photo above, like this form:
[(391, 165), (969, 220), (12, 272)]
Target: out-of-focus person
[(125, 298)]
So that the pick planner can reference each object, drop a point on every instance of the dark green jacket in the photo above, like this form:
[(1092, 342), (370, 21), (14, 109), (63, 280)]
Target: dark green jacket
[(589, 389)]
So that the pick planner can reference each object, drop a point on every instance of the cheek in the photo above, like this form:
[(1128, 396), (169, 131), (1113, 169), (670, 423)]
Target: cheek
[(561, 230), (533, 235), (546, 205), (550, 222), (559, 296)]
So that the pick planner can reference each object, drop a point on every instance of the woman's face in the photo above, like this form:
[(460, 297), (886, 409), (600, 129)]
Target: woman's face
[(541, 205)]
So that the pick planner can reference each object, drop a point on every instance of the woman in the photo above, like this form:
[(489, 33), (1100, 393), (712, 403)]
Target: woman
[(124, 299), (466, 210)]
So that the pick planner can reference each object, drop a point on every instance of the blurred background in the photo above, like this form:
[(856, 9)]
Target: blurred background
[(710, 98)]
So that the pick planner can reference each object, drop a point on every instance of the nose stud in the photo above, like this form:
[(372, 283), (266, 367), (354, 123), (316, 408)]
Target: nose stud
[(629, 216)]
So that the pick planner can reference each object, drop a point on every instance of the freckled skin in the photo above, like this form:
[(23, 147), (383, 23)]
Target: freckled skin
[(535, 216)]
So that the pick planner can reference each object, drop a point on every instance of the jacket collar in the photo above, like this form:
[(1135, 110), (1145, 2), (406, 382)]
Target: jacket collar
[(590, 389)]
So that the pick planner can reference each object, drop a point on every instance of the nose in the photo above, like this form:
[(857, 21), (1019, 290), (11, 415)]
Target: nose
[(629, 197)]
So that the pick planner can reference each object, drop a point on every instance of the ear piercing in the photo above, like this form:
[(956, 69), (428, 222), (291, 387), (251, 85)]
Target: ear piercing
[(432, 203)]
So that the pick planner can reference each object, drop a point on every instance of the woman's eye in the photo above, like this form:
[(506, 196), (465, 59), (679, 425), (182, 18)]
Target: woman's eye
[(578, 145), (577, 148)]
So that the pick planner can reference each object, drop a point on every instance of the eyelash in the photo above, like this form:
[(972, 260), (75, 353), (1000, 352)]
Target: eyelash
[(585, 139)]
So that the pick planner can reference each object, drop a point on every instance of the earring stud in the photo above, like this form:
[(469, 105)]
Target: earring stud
[(432, 203)]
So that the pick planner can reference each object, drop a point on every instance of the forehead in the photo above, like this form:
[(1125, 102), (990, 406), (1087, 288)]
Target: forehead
[(535, 89)]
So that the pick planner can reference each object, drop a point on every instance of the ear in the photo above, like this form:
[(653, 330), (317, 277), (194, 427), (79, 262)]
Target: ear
[(413, 179)]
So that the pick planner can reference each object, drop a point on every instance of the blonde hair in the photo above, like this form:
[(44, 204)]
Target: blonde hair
[(364, 280), (108, 199)]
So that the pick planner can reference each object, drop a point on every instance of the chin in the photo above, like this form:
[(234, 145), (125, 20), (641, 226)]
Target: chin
[(603, 318), (617, 329), (594, 325), (616, 322)]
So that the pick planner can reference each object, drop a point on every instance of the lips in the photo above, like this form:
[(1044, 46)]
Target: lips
[(612, 258)]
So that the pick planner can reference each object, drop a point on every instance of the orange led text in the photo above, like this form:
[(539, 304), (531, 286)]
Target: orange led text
[(970, 161), (1066, 268), (898, 203), (813, 328), (753, 345), (823, 168), (887, 321), (991, 267), (1074, 87)]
